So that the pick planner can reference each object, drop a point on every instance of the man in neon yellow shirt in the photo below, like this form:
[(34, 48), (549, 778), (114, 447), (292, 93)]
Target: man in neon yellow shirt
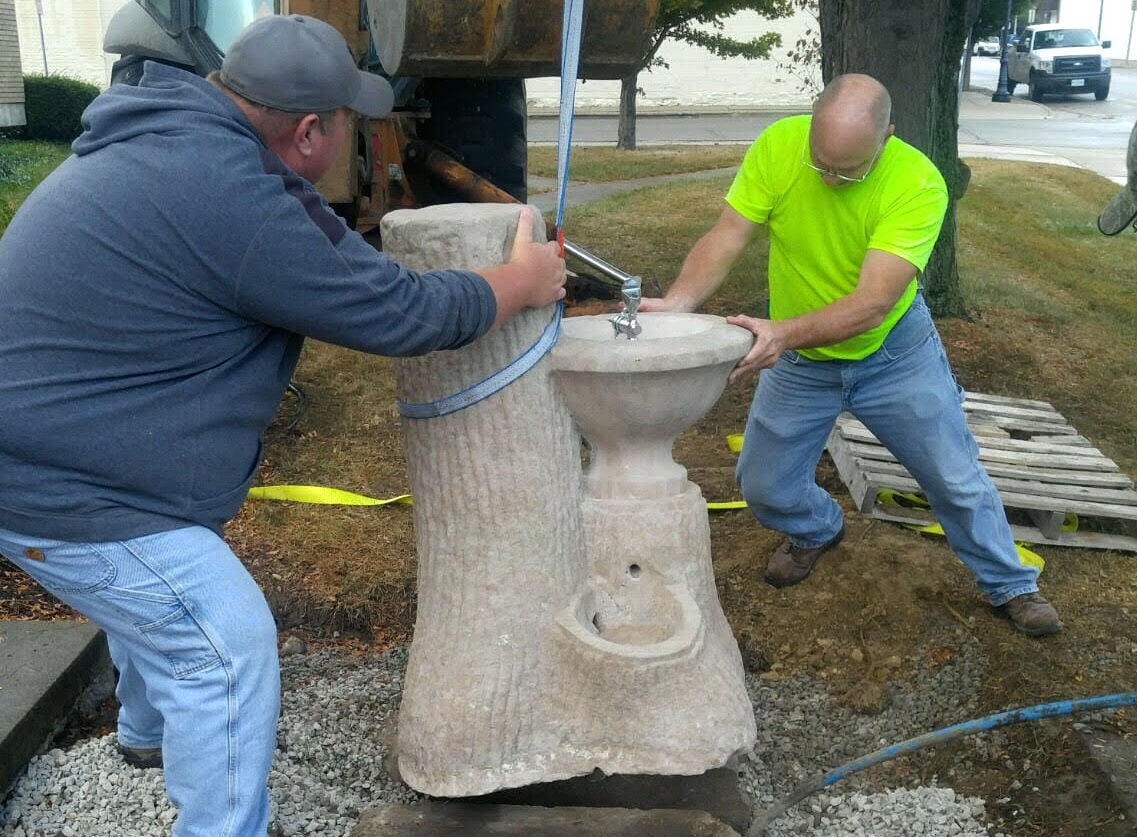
[(853, 214)]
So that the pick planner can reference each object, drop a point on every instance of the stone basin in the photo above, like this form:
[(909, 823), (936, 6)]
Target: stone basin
[(670, 341), (631, 398), (638, 617)]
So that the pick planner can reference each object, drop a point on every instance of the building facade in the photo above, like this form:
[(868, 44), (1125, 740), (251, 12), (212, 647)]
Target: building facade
[(1110, 20), (65, 37), (694, 78), (11, 73)]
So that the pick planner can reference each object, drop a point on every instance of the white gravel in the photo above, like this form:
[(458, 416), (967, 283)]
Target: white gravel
[(338, 717)]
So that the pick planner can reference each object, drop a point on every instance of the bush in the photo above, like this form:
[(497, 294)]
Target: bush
[(53, 105)]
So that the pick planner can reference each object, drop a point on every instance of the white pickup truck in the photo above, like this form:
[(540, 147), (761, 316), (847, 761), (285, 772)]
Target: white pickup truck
[(1052, 58)]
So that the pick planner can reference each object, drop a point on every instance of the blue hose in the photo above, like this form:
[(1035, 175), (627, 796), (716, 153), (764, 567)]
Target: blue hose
[(940, 736)]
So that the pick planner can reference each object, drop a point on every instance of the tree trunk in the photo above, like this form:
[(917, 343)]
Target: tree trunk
[(627, 126), (913, 48)]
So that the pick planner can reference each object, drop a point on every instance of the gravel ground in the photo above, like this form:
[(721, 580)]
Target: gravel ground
[(338, 715)]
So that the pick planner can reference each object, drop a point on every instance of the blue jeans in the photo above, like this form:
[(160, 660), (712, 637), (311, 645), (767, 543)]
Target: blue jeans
[(906, 395), (194, 643)]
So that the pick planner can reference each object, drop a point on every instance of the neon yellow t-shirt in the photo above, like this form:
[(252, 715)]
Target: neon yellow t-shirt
[(819, 234)]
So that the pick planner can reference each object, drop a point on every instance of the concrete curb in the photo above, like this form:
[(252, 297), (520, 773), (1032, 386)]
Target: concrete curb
[(973, 99), (44, 669), (648, 111)]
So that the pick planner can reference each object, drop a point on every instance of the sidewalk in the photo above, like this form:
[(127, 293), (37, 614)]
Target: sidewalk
[(976, 104)]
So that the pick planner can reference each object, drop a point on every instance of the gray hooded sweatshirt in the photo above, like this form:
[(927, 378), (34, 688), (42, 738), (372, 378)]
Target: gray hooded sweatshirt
[(155, 290)]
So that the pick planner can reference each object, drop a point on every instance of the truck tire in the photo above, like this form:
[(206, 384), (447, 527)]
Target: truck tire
[(1034, 92), (483, 123), (1102, 92), (1011, 87)]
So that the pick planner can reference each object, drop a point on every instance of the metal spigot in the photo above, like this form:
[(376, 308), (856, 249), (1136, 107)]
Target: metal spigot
[(625, 323)]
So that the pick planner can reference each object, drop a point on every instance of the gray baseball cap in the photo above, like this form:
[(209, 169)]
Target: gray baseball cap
[(1121, 211), (302, 65)]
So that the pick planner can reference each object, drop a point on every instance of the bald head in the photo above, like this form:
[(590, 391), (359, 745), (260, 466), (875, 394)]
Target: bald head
[(856, 101), (851, 120)]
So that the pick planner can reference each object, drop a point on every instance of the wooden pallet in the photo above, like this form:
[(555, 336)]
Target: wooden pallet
[(1042, 467)]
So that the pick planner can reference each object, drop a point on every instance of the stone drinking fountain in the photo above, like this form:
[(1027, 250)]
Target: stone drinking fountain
[(567, 618)]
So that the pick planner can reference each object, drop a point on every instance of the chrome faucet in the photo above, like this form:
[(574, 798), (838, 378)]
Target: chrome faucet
[(625, 322)]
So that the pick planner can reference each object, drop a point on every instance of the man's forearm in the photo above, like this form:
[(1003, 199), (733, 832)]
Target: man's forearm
[(703, 271), (884, 279), (839, 320)]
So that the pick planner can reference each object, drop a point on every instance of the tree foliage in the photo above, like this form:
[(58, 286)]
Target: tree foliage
[(699, 23), (804, 56), (686, 20), (993, 15)]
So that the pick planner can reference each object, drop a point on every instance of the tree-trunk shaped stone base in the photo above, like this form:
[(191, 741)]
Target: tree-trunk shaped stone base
[(531, 661)]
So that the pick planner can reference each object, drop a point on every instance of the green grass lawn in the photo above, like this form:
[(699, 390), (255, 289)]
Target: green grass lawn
[(22, 166), (595, 164)]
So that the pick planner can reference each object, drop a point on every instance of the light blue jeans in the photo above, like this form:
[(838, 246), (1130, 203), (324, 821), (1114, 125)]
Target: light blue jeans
[(194, 643), (906, 394)]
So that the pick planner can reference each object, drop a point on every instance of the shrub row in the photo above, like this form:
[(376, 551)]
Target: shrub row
[(53, 105)]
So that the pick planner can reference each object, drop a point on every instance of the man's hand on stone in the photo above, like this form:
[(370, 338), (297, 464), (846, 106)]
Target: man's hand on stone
[(767, 348), (540, 262)]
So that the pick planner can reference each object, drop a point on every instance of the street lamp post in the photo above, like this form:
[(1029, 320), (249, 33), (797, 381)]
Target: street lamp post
[(42, 42), (1001, 92)]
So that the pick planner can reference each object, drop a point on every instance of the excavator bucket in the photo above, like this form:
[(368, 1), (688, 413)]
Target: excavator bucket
[(506, 38)]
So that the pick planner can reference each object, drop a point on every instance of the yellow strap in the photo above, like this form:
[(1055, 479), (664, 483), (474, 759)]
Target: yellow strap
[(1027, 557), (320, 495), (727, 506), (734, 442), (888, 497)]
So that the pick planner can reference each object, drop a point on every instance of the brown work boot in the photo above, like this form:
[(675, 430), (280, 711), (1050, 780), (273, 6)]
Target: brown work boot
[(142, 757), (790, 564), (1031, 614)]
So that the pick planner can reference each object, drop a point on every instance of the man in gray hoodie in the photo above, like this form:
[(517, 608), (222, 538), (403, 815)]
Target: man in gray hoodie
[(155, 291)]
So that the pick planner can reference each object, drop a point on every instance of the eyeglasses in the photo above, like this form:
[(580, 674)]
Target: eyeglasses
[(844, 178)]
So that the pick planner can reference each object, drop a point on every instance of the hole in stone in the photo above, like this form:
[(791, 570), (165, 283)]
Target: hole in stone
[(596, 622), (634, 570)]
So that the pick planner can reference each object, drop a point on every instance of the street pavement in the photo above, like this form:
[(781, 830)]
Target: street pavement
[(1064, 130)]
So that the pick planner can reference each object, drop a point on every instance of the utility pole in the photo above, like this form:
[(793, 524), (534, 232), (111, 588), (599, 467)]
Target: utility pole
[(42, 42), (1132, 13), (1001, 93)]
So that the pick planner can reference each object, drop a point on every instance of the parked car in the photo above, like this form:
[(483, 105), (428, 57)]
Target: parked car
[(988, 46), (1052, 58)]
